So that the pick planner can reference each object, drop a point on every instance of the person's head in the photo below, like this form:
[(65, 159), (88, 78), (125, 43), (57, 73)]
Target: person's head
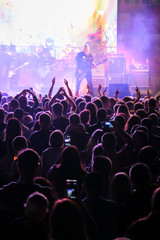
[(101, 114), (105, 101), (4, 100), (19, 114), (98, 102), (66, 221), (36, 207), (140, 139), (70, 158), (138, 105), (147, 122), (109, 141), (78, 100), (92, 108), (154, 118), (57, 108), (149, 155), (27, 119), (56, 139), (28, 163), (87, 97), (2, 115), (81, 106), (13, 129), (94, 184), (14, 104), (127, 99), (141, 113), (140, 175), (112, 102), (38, 110), (130, 105), (86, 49), (152, 103), (45, 121), (132, 120), (19, 143), (121, 120), (102, 165), (23, 101), (95, 138), (65, 106), (120, 188), (6, 107), (97, 151), (44, 100), (155, 201), (123, 108), (85, 116), (74, 118)]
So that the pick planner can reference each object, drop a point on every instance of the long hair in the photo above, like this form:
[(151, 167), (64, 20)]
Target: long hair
[(66, 221)]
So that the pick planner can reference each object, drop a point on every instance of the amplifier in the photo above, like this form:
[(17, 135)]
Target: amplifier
[(138, 79), (116, 65)]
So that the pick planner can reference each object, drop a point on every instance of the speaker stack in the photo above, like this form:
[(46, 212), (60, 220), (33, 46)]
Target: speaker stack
[(117, 75)]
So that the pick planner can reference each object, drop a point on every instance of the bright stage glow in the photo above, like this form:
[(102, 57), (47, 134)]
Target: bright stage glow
[(31, 22)]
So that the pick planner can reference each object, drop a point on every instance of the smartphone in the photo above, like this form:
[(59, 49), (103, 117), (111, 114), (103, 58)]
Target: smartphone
[(67, 140), (71, 188), (108, 124)]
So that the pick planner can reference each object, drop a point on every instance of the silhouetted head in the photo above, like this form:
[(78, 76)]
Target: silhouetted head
[(66, 221), (56, 139)]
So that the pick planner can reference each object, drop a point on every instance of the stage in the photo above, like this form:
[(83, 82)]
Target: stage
[(126, 35)]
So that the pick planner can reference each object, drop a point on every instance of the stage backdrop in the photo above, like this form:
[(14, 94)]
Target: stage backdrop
[(67, 24)]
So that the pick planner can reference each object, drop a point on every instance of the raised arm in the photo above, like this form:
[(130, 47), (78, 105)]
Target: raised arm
[(70, 100), (68, 88), (138, 94), (23, 93), (122, 133), (51, 88), (116, 95), (88, 90), (54, 98), (99, 90), (104, 91), (35, 99)]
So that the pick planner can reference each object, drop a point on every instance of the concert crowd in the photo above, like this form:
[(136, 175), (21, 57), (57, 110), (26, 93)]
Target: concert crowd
[(78, 166)]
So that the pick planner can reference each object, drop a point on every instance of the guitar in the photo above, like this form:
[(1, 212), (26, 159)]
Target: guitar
[(11, 73), (80, 74), (46, 70)]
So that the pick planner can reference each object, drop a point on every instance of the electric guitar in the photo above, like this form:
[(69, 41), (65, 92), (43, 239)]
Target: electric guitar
[(80, 74), (46, 70), (11, 73)]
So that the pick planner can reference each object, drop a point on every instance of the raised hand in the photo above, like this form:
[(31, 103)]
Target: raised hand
[(53, 80), (66, 82), (104, 91)]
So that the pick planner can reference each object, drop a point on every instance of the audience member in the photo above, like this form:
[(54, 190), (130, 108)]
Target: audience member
[(103, 211), (148, 226), (69, 167), (39, 140), (66, 221), (52, 153), (59, 122), (34, 223)]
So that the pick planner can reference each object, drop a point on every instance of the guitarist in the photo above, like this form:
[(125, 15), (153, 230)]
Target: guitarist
[(84, 62)]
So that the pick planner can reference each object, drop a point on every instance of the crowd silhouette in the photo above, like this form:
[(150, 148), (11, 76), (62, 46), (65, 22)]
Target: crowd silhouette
[(108, 146)]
